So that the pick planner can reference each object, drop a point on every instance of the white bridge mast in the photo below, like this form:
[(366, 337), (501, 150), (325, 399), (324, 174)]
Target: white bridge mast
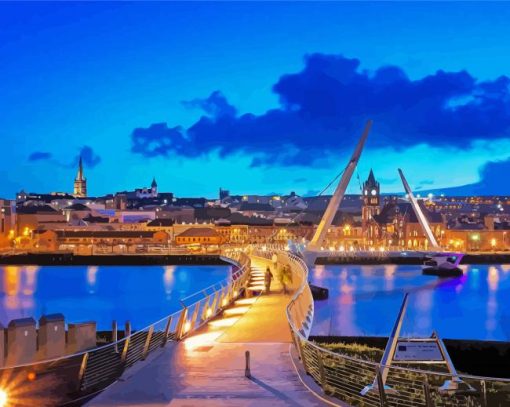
[(419, 213), (325, 223)]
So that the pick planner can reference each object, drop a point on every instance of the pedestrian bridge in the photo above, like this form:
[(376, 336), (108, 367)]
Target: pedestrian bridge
[(197, 356)]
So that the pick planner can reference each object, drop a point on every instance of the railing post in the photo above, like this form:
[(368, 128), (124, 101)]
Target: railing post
[(115, 336), (127, 329), (303, 356), (194, 316), (180, 331), (123, 357), (206, 307), (483, 388), (214, 304), (380, 387), (426, 391), (83, 367), (147, 342), (167, 331), (322, 371)]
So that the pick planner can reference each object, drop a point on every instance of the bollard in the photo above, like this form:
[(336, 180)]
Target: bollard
[(247, 371)]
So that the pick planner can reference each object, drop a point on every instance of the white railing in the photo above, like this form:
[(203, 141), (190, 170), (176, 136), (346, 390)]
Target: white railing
[(344, 377), (64, 380)]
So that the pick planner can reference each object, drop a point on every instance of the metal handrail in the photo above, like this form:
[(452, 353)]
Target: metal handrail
[(321, 375), (232, 261)]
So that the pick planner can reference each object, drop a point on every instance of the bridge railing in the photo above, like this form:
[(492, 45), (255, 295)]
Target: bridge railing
[(69, 378), (344, 377)]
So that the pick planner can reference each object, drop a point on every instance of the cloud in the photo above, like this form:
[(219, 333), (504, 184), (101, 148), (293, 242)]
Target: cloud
[(39, 156), (493, 181), (215, 105), (89, 157), (323, 109)]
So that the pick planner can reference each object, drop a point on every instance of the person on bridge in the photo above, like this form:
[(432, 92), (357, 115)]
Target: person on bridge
[(268, 277), (285, 278)]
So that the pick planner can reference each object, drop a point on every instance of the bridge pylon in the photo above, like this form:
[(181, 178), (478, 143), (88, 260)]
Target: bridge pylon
[(316, 243)]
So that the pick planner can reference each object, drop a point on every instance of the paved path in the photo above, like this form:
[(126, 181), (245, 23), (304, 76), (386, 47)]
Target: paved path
[(207, 369)]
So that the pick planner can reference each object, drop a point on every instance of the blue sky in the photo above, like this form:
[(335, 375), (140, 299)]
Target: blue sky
[(253, 97)]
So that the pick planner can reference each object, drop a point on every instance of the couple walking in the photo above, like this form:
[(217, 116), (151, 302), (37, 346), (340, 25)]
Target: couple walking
[(285, 278)]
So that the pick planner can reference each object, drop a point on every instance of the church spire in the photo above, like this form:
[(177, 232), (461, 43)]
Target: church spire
[(371, 178), (79, 176), (80, 183)]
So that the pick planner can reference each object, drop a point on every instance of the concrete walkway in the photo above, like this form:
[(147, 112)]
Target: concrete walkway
[(207, 369)]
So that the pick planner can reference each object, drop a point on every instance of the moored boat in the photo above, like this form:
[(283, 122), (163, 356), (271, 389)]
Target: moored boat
[(444, 265)]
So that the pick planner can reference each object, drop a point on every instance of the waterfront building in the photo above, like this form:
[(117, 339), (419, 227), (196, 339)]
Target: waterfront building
[(199, 236), (80, 182), (398, 226), (472, 240), (100, 241)]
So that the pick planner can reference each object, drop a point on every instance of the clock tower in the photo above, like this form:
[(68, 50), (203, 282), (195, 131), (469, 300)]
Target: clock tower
[(371, 206)]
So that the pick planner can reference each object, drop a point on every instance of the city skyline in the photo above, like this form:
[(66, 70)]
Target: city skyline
[(193, 119)]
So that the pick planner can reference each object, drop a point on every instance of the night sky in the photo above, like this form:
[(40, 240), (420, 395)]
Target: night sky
[(254, 97)]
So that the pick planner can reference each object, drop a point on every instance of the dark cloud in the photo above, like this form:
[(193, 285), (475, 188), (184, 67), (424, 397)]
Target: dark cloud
[(323, 109), (158, 140), (89, 157), (215, 105), (493, 181), (39, 155)]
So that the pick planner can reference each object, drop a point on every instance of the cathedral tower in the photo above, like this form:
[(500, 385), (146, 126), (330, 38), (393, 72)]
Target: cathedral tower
[(80, 182)]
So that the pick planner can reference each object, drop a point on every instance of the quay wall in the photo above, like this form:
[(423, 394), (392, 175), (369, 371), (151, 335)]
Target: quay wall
[(414, 259), (69, 259)]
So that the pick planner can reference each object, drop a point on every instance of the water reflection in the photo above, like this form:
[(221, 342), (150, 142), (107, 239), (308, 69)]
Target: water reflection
[(91, 278), (364, 300), (138, 294), (168, 279)]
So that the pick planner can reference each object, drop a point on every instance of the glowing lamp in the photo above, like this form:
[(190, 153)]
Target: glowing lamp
[(4, 398)]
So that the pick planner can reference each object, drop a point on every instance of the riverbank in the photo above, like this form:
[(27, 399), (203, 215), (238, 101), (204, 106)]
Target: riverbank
[(69, 259), (474, 357), (411, 259)]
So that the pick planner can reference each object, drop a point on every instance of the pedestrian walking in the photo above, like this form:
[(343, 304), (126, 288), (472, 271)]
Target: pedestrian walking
[(268, 277)]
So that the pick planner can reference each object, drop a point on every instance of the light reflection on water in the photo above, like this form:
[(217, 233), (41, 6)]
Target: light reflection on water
[(364, 300), (140, 294)]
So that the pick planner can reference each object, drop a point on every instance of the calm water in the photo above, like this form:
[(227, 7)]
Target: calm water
[(365, 300), (140, 294)]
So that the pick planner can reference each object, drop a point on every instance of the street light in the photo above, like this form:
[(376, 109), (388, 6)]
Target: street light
[(493, 243), (4, 398)]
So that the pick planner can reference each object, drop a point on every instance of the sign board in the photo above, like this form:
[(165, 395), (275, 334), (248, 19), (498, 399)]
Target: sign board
[(418, 351)]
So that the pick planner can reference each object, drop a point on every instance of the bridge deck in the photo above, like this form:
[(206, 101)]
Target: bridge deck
[(207, 369)]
